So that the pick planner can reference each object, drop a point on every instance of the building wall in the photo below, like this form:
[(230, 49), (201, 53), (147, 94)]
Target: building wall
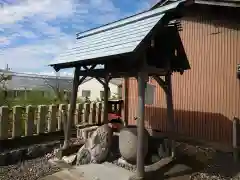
[(95, 87), (22, 81), (207, 97)]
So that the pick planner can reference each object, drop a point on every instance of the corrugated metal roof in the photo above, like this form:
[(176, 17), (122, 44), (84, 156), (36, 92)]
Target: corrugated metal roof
[(36, 81), (116, 38)]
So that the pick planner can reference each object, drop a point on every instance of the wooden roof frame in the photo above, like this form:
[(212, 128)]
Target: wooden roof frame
[(109, 61), (140, 69)]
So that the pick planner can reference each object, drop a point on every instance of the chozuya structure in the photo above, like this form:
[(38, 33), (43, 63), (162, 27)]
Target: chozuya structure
[(143, 45)]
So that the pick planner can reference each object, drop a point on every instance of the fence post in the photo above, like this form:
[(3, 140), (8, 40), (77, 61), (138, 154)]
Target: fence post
[(42, 112), (98, 113), (4, 113), (79, 112), (29, 122), (235, 138), (102, 113), (62, 110), (17, 121), (67, 115), (52, 121), (92, 116), (86, 112)]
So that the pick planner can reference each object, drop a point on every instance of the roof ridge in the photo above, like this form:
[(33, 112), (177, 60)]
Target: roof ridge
[(121, 22)]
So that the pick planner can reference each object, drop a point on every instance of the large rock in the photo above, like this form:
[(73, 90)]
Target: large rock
[(97, 147), (128, 143)]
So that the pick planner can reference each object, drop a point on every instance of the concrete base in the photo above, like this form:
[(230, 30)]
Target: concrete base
[(104, 171)]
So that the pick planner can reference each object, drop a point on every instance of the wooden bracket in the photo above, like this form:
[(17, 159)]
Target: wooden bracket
[(161, 82)]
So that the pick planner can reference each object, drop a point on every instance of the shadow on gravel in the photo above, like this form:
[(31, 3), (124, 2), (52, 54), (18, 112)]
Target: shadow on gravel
[(198, 163), (181, 169), (222, 165), (11, 157)]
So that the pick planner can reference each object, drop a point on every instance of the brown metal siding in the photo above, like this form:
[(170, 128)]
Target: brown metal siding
[(207, 97)]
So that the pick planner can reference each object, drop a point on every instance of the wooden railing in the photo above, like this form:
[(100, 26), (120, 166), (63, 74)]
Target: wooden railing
[(23, 121)]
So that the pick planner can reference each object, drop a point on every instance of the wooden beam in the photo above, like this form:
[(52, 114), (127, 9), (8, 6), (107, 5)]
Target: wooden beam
[(102, 73), (154, 70), (160, 82), (88, 69), (67, 130), (100, 81)]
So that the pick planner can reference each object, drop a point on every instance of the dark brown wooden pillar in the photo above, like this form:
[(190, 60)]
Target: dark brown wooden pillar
[(125, 102), (140, 125), (106, 94), (170, 111), (67, 128)]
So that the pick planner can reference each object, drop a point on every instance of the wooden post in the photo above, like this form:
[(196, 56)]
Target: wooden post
[(41, 123), (52, 122), (17, 124), (92, 116), (72, 109), (79, 112), (29, 123), (4, 118), (235, 139), (140, 126), (99, 113), (170, 111), (86, 113), (125, 102), (106, 92)]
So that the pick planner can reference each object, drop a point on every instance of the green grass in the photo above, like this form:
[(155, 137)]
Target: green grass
[(32, 98)]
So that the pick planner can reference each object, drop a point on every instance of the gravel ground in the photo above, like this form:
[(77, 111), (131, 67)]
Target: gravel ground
[(28, 170), (221, 167), (31, 169), (207, 164), (214, 165)]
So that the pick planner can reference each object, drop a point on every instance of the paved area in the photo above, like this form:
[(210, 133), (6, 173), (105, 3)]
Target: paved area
[(92, 172)]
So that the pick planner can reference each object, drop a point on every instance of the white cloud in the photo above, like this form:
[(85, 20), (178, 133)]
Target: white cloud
[(4, 41), (33, 56), (31, 32), (44, 9)]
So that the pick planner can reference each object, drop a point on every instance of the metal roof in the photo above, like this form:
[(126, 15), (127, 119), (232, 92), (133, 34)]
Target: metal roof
[(116, 38), (227, 3)]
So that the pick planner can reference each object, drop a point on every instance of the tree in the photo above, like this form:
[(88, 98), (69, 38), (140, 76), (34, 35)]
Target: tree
[(3, 89), (3, 79), (55, 86)]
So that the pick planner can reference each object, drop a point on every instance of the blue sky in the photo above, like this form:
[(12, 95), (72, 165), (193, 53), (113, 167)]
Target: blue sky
[(33, 32)]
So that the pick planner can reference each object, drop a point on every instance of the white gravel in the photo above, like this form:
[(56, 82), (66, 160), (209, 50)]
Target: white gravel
[(28, 170)]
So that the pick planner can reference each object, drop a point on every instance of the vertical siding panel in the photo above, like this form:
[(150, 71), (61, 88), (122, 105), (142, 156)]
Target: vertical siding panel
[(206, 98), (209, 69)]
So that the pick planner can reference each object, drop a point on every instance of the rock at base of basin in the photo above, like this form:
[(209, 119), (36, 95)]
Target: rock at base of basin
[(96, 148), (128, 144), (83, 157)]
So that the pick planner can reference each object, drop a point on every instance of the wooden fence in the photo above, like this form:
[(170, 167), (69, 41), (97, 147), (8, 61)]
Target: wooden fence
[(33, 120)]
